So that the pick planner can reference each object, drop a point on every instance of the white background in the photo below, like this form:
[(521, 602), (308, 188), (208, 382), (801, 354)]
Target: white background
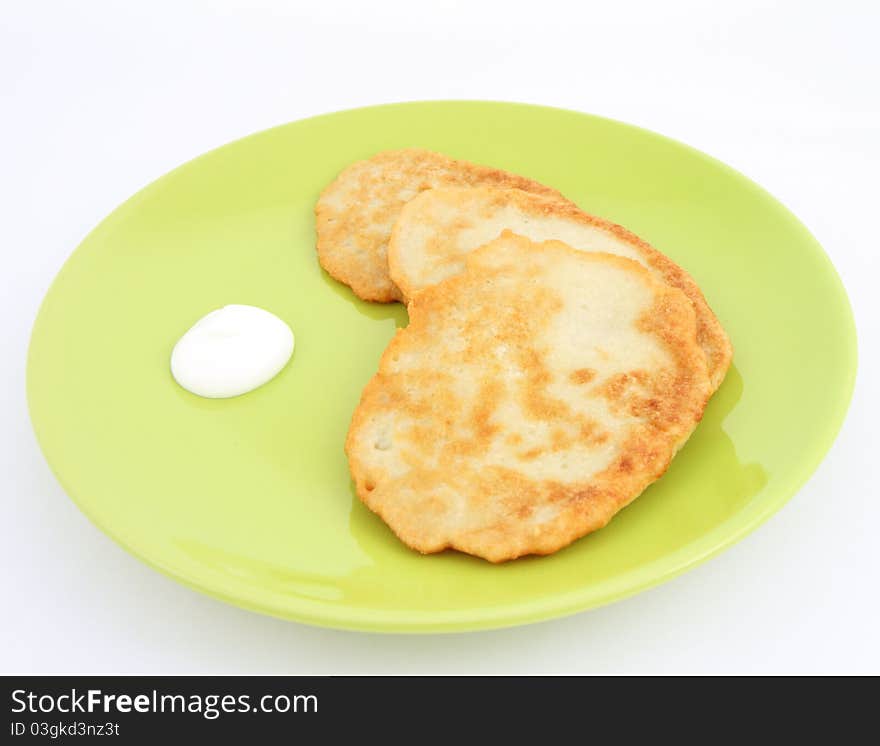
[(100, 98)]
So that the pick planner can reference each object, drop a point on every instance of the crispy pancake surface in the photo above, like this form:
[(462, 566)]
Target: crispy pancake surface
[(355, 213), (437, 229), (531, 397)]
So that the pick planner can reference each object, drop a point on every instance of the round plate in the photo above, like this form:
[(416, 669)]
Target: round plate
[(249, 499)]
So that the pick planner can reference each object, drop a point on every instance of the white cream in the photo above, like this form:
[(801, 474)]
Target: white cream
[(231, 351)]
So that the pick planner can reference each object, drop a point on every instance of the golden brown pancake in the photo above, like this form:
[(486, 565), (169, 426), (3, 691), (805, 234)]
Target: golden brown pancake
[(438, 228), (355, 213), (532, 396)]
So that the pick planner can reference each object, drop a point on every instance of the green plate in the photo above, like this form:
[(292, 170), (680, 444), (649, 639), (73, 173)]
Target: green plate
[(249, 499)]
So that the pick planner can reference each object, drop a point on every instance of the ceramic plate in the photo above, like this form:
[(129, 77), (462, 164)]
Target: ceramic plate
[(249, 499)]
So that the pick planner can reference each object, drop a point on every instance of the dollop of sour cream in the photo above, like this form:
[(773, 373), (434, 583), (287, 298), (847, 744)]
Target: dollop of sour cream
[(231, 351)]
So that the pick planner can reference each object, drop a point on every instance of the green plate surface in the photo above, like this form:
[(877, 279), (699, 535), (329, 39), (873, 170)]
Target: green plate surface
[(249, 499)]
